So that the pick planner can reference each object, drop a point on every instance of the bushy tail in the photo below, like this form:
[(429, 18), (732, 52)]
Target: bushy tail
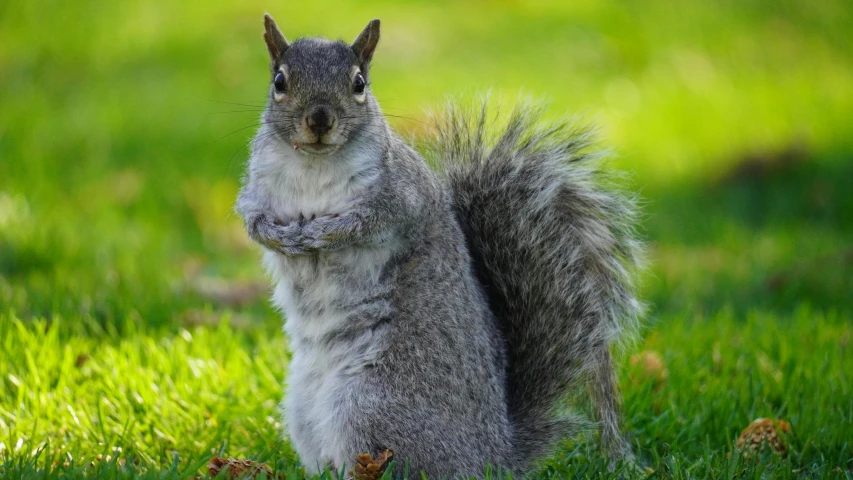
[(554, 246)]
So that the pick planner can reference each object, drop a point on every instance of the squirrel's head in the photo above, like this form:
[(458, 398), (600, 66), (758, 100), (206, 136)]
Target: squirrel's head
[(319, 90)]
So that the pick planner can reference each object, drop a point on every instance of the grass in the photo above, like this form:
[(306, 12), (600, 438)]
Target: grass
[(133, 318)]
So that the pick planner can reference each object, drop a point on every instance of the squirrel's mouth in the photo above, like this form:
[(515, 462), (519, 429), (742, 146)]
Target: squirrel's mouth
[(317, 148)]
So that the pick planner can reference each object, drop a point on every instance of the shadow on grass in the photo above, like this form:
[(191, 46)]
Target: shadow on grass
[(775, 232)]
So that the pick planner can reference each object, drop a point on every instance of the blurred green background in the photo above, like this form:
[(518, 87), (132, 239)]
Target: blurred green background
[(133, 310)]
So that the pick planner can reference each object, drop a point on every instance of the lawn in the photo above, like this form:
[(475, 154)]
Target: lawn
[(135, 334)]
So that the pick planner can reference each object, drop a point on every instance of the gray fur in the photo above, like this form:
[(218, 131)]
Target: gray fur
[(554, 245), (444, 317)]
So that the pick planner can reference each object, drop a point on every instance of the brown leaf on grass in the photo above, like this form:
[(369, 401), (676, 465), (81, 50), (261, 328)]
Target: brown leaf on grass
[(647, 366), (228, 293), (369, 468), (198, 317), (764, 434), (81, 360), (238, 468)]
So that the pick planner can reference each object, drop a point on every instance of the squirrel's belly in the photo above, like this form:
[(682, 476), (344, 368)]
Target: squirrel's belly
[(313, 399), (323, 294), (319, 407), (326, 374)]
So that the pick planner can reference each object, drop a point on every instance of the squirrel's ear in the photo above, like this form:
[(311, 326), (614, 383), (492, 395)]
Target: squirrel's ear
[(276, 43), (365, 44)]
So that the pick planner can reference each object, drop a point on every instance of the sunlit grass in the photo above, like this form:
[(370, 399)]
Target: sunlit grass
[(133, 318)]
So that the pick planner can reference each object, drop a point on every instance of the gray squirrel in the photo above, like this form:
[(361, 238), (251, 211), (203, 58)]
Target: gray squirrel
[(444, 315)]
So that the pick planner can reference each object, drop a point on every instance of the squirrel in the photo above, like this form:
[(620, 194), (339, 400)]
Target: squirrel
[(442, 313)]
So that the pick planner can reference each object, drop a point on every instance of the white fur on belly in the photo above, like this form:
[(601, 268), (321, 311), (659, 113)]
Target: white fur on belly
[(321, 374)]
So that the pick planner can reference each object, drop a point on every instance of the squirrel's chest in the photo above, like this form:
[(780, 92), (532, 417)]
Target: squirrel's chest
[(300, 189), (318, 292)]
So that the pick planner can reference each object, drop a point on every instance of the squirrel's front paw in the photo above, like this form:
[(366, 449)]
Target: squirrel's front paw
[(329, 232), (291, 240), (283, 237)]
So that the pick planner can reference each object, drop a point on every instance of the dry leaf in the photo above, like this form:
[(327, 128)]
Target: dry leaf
[(230, 293), (650, 365), (238, 468), (81, 360)]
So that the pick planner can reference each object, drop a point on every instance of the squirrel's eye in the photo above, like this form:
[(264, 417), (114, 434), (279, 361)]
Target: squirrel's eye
[(279, 82), (358, 84)]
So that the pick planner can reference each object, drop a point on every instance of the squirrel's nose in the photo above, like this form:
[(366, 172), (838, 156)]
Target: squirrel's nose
[(320, 120)]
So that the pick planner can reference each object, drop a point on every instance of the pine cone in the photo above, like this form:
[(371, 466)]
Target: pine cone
[(238, 468), (764, 434), (369, 468)]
